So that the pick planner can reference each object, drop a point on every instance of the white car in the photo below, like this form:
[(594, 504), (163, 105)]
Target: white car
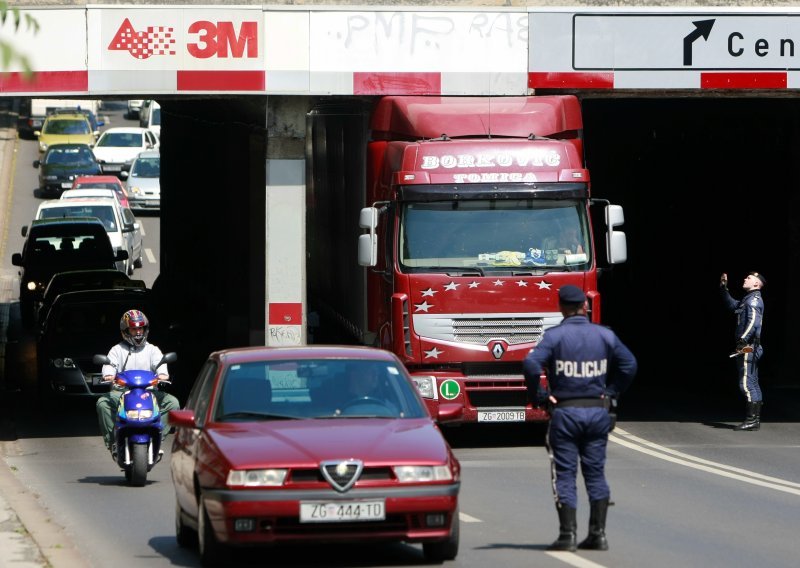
[(144, 182), (117, 147), (134, 107), (123, 229)]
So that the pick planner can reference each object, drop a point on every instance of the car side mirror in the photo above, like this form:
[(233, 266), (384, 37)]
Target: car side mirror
[(24, 230), (121, 255), (16, 259), (36, 163)]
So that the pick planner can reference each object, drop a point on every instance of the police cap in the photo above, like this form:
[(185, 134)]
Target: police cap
[(570, 294), (760, 277)]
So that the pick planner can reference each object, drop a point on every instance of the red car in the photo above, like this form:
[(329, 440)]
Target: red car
[(103, 182), (312, 444)]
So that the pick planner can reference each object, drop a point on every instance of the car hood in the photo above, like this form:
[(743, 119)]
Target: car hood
[(63, 169), (51, 139), (298, 443), (145, 183), (115, 154)]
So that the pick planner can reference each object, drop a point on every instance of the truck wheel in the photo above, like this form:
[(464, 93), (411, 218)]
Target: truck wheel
[(138, 468)]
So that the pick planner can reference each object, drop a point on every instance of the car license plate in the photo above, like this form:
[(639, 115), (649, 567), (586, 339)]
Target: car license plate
[(66, 184), (112, 168), (342, 511), (502, 415)]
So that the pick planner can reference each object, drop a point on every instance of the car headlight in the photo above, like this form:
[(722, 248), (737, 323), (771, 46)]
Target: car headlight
[(422, 473), (65, 363), (256, 477), (425, 385), (139, 414)]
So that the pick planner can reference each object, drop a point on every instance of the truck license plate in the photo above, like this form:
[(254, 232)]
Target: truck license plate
[(342, 511), (502, 415)]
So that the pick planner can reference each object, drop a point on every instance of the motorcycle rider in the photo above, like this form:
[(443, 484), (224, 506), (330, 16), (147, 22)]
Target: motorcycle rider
[(133, 352)]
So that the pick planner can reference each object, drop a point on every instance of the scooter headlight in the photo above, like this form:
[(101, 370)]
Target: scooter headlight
[(139, 414)]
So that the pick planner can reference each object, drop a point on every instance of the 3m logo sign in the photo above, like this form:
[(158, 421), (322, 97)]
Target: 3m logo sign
[(155, 40)]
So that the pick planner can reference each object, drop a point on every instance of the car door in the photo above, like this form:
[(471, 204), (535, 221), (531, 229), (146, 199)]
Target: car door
[(133, 236)]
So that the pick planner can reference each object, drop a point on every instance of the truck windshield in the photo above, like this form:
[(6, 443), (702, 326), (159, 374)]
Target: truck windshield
[(487, 234)]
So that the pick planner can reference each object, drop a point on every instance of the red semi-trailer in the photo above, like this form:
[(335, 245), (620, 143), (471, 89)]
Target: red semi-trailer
[(473, 212)]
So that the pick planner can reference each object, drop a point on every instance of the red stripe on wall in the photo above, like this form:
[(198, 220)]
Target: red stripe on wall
[(221, 80), (285, 314), (558, 80), (44, 82), (743, 80), (397, 83)]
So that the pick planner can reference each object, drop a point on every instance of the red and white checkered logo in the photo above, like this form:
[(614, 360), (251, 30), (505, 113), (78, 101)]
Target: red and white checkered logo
[(155, 40)]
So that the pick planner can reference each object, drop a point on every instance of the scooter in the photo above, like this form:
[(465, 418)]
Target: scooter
[(137, 427)]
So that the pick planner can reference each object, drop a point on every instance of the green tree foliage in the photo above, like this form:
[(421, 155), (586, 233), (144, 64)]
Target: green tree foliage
[(8, 54)]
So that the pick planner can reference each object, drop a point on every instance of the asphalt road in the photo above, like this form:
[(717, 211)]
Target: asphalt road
[(688, 490)]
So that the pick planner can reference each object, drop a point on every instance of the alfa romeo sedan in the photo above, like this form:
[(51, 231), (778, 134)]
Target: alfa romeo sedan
[(312, 444)]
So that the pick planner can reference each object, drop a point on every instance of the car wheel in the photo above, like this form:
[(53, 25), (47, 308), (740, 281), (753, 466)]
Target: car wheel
[(446, 549), (211, 550), (186, 537)]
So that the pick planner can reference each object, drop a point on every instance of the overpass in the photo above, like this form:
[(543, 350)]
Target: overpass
[(236, 82)]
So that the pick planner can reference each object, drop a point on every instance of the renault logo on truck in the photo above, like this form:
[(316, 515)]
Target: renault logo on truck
[(498, 350)]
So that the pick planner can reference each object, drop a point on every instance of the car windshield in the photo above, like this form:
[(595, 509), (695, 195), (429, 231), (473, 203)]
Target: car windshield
[(146, 167), (317, 388), (65, 126), (69, 156), (120, 140), (103, 212)]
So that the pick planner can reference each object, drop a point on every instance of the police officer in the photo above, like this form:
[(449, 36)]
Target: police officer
[(749, 317), (587, 368)]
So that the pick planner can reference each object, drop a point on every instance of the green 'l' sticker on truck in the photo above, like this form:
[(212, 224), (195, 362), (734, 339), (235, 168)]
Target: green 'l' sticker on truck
[(449, 389)]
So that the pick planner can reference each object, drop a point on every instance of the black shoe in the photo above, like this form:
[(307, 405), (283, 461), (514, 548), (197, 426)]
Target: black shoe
[(114, 452), (597, 527), (567, 530), (752, 422)]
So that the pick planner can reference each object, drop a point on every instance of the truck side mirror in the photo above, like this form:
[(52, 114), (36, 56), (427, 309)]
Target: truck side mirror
[(616, 241), (368, 242)]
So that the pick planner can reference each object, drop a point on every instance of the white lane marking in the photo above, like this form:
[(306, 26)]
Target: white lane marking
[(573, 559), (723, 470), (151, 258), (141, 229), (467, 518)]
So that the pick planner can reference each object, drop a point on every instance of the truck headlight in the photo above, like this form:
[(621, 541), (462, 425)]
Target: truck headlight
[(64, 363), (425, 385)]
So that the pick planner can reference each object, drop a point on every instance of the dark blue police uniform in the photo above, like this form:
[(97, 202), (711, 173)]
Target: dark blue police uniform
[(749, 316), (586, 365)]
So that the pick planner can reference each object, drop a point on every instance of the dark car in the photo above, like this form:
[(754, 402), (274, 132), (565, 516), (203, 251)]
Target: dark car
[(62, 163), (312, 444), (77, 326), (59, 245), (78, 280)]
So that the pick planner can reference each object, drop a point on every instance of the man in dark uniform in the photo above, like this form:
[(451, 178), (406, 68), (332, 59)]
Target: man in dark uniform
[(749, 317), (587, 368)]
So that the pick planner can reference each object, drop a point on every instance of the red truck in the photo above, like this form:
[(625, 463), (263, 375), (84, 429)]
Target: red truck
[(473, 212)]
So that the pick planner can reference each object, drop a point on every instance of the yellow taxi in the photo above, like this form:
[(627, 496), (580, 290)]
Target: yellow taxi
[(65, 128)]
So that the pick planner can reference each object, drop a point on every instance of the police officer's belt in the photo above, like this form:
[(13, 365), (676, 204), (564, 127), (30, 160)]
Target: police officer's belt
[(583, 403)]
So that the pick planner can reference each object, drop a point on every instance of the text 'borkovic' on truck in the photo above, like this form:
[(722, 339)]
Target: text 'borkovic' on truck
[(473, 212)]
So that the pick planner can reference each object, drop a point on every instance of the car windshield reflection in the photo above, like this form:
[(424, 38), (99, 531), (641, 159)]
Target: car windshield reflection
[(317, 389)]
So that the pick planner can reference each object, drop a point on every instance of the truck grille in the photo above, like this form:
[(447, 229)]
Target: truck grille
[(480, 329)]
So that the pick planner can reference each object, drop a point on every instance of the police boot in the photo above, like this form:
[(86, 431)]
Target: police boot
[(597, 527), (567, 530), (753, 420)]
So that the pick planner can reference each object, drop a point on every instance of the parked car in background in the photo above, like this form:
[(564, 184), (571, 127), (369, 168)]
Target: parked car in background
[(78, 325), (117, 147), (134, 107), (144, 182), (58, 245), (123, 229), (61, 164), (287, 445), (78, 280), (103, 182), (65, 128)]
